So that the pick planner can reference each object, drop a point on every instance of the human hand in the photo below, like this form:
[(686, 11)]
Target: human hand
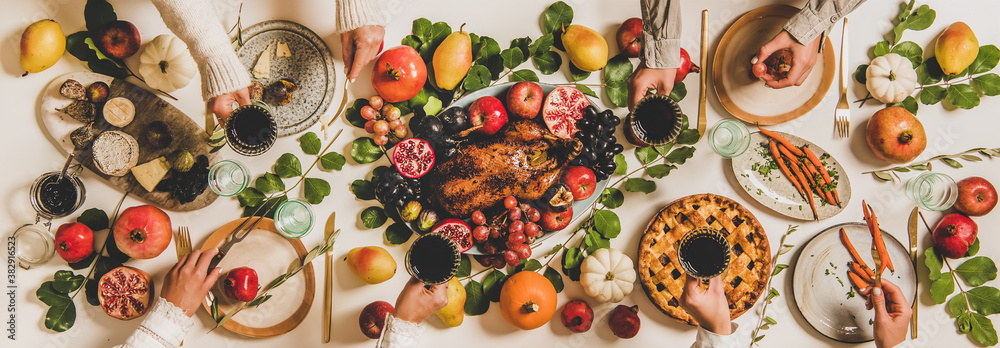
[(643, 79), (222, 105), (803, 59), (359, 47), (892, 315), (415, 303), (708, 307), (187, 283)]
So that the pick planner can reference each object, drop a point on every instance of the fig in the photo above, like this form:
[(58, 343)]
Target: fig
[(158, 134), (411, 211), (80, 110), (83, 136), (182, 161), (558, 197), (73, 89), (428, 218), (98, 92)]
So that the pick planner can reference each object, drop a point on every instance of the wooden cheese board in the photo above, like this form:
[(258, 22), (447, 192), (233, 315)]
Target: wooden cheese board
[(148, 108)]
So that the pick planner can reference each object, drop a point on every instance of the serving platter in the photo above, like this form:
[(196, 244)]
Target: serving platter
[(774, 191), (268, 253), (821, 288), (310, 66), (747, 98), (500, 91), (186, 134)]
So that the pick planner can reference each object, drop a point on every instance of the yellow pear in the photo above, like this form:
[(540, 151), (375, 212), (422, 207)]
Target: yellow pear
[(42, 44), (452, 59), (956, 48), (454, 312), (586, 48), (371, 264)]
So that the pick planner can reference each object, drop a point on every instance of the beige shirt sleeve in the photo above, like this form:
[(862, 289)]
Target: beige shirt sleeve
[(661, 33), (817, 16)]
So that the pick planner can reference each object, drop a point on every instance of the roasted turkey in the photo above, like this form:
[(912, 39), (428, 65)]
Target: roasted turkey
[(522, 160)]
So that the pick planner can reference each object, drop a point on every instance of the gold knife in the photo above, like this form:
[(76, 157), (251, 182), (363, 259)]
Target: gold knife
[(328, 288), (702, 96), (912, 229)]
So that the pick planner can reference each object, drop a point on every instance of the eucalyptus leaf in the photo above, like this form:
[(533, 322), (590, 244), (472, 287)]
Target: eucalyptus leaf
[(556, 16), (373, 217), (94, 218), (639, 185), (310, 143), (315, 190), (364, 150), (646, 154), (952, 163), (607, 223), (989, 84), (547, 62), (660, 170), (778, 268), (332, 161), (612, 198), (398, 233), (268, 184), (586, 90), (931, 95), (882, 176), (523, 75), (258, 301), (963, 96), (985, 300), (492, 285), (941, 288), (363, 190), (555, 278), (288, 166), (985, 61), (475, 301), (681, 155), (621, 166)]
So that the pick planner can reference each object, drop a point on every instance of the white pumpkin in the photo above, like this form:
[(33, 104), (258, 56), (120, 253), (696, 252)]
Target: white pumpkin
[(891, 78), (166, 64), (607, 275)]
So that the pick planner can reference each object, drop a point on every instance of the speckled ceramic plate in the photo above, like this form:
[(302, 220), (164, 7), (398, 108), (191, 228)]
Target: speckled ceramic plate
[(310, 66), (820, 285), (774, 191)]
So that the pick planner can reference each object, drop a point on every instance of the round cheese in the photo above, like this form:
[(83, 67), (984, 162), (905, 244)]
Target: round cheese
[(115, 153), (119, 111)]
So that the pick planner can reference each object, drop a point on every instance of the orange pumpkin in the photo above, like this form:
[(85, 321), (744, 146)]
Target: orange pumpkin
[(527, 300)]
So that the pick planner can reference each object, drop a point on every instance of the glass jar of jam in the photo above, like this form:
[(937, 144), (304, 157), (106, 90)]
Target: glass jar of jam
[(54, 195)]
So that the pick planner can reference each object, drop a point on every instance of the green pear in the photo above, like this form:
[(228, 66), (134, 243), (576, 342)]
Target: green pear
[(452, 59), (585, 47), (956, 48), (371, 264), (454, 312)]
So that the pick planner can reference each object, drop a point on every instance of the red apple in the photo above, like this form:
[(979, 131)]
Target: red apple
[(976, 196), (488, 114), (524, 99), (555, 220), (894, 135), (372, 318), (74, 242), (119, 39), (954, 234), (629, 37), (581, 181)]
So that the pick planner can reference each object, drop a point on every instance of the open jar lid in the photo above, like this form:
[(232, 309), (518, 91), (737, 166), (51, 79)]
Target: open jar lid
[(33, 245)]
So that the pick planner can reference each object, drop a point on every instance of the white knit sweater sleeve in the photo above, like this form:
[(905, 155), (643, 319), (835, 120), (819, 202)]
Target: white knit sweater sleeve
[(353, 14), (399, 333), (195, 22), (165, 326)]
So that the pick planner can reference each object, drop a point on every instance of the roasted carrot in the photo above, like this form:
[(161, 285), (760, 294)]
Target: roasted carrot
[(857, 281), (880, 246), (808, 185), (822, 170), (784, 169), (802, 179), (854, 252), (781, 140), (856, 269), (825, 195)]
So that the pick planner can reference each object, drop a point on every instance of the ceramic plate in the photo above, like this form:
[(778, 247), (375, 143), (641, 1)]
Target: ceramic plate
[(500, 91), (268, 253), (821, 288), (310, 66), (747, 98), (774, 191)]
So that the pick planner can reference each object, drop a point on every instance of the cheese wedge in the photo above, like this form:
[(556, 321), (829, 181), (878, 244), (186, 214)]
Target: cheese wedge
[(283, 50), (150, 173), (262, 69)]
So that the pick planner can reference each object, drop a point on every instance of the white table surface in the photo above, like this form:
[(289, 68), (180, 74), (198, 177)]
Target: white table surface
[(27, 152)]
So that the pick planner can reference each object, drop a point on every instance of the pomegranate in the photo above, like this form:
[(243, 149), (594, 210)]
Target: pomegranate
[(458, 231), (74, 242), (577, 316), (624, 321), (894, 135), (413, 157), (241, 284), (686, 67), (399, 74), (142, 232), (954, 234), (125, 292), (563, 107)]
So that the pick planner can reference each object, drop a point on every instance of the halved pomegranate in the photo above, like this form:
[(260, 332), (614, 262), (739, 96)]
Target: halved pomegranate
[(458, 231), (413, 157), (563, 107), (125, 293)]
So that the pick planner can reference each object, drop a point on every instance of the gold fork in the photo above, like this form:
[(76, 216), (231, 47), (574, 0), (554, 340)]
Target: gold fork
[(842, 121), (182, 242)]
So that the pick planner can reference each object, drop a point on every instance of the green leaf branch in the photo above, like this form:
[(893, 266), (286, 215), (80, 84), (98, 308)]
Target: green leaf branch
[(891, 174), (270, 190), (765, 322)]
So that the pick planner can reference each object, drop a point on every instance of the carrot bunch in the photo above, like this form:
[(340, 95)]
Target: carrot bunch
[(803, 169), (860, 275)]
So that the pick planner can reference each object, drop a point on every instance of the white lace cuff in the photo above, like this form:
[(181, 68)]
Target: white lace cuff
[(399, 333), (708, 339), (165, 326)]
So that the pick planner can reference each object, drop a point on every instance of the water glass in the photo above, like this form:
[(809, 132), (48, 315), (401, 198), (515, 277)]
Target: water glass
[(704, 253), (932, 191), (730, 138), (228, 178), (293, 218), (33, 245)]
